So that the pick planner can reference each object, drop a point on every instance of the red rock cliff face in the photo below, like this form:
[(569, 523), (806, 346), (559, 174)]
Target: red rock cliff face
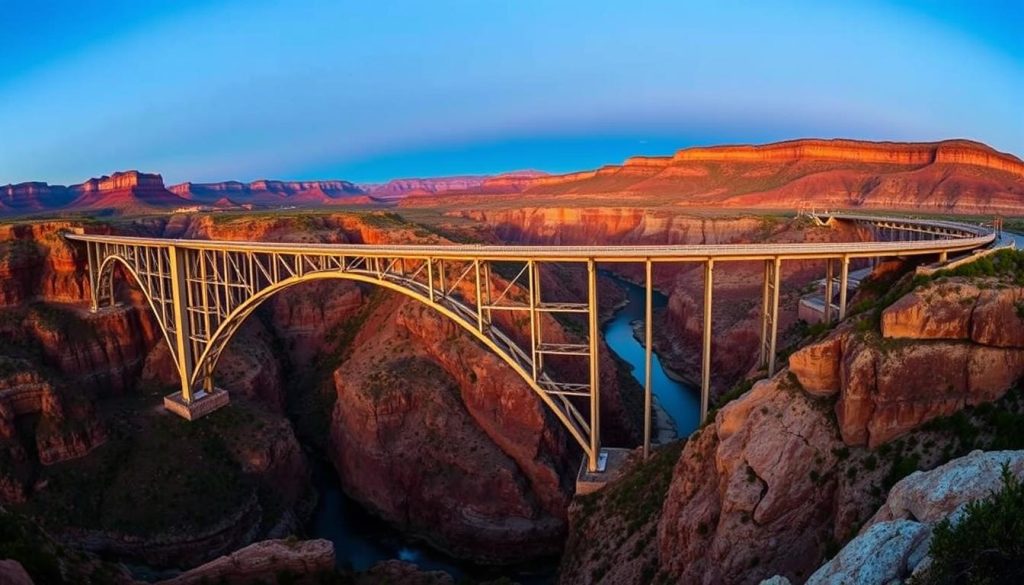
[(37, 263), (466, 456), (956, 175), (787, 467), (67, 426), (268, 192), (970, 341)]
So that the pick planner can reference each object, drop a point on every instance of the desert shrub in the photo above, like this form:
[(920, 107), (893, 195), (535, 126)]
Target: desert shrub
[(987, 545)]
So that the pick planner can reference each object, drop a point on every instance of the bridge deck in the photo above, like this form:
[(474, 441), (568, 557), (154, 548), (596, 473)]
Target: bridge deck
[(961, 237)]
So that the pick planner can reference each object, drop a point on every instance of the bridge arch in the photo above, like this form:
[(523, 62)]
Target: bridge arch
[(206, 363), (102, 288), (202, 290)]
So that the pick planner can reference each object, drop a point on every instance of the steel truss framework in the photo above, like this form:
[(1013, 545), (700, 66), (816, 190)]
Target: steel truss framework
[(202, 291)]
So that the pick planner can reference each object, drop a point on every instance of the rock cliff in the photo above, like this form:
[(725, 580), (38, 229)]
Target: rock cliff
[(270, 192), (954, 175), (969, 339), (786, 473), (468, 458)]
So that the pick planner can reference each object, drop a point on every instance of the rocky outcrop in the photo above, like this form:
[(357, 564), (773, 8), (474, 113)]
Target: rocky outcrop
[(930, 496), (750, 496), (270, 192), (612, 225), (856, 151), (970, 341), (885, 553), (12, 573), (68, 426), (304, 561), (104, 351), (396, 571), (954, 175), (894, 543), (466, 458), (37, 263), (418, 187)]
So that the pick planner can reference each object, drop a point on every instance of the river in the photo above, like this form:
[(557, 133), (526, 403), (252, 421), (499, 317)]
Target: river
[(679, 400), (361, 539)]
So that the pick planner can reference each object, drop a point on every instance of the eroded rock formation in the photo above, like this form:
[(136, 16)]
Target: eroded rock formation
[(970, 341)]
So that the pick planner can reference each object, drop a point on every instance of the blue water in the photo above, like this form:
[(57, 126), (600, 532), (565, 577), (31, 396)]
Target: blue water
[(679, 400)]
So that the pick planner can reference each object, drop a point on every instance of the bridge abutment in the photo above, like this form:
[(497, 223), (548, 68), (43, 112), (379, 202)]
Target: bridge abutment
[(202, 403)]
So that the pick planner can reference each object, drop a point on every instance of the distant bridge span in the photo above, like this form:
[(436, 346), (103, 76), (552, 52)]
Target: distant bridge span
[(201, 291)]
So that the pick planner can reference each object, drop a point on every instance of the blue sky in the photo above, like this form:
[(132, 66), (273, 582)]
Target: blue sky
[(367, 91)]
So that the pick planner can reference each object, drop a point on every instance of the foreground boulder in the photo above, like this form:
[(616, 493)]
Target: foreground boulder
[(894, 543), (302, 561)]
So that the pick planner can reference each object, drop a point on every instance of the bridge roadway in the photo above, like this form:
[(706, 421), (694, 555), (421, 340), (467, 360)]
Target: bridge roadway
[(202, 290)]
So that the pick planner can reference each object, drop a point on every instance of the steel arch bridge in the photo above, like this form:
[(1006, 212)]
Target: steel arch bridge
[(201, 291)]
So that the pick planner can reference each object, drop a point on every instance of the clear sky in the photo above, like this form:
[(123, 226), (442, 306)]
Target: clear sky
[(375, 89)]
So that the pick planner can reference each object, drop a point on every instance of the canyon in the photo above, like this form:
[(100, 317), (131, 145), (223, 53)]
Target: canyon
[(794, 477)]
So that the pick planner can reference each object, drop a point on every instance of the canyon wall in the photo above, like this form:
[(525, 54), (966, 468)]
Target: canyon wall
[(790, 470)]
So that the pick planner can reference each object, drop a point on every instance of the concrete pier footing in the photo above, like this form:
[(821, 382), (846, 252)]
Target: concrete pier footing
[(202, 404), (610, 465)]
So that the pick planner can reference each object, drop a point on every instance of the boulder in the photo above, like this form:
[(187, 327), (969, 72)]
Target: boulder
[(930, 496), (305, 561), (882, 554)]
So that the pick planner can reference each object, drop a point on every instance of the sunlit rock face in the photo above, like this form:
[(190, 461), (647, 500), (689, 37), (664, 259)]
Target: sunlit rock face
[(439, 436), (269, 192), (746, 501), (969, 340), (951, 175), (37, 263)]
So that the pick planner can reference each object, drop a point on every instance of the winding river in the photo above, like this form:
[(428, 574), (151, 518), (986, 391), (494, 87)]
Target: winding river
[(361, 539)]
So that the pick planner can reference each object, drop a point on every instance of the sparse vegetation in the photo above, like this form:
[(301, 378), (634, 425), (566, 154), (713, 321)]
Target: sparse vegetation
[(986, 545)]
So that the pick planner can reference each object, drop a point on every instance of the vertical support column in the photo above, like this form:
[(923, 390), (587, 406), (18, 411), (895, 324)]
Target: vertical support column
[(648, 335), (595, 369), (776, 276), (430, 278), (487, 291), (844, 276), (440, 270), (536, 307), (181, 322), (204, 298), (94, 277), (828, 290), (765, 313), (705, 368), (479, 297), (532, 304)]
